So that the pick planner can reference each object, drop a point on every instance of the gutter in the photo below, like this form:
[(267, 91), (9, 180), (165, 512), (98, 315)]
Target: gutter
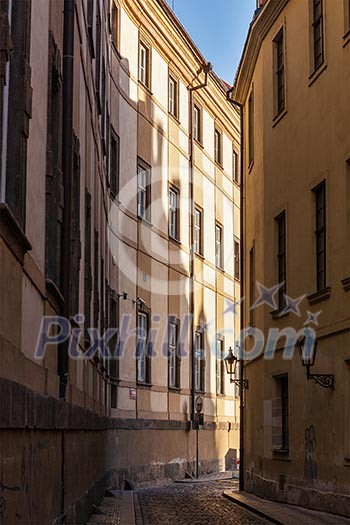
[(207, 69), (242, 276)]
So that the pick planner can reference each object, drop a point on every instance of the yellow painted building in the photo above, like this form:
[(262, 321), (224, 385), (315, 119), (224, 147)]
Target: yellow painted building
[(293, 82)]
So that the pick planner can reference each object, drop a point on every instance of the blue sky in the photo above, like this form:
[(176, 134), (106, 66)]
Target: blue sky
[(219, 28)]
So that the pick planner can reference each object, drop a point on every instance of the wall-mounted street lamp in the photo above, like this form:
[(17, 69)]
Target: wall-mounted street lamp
[(231, 365), (307, 349)]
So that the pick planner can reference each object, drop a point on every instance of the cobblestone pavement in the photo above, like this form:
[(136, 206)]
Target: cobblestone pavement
[(192, 504), (110, 512)]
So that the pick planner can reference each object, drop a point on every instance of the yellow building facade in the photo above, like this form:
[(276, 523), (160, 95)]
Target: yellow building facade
[(293, 85)]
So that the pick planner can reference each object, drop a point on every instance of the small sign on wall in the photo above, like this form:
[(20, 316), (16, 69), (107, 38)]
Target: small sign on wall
[(132, 393)]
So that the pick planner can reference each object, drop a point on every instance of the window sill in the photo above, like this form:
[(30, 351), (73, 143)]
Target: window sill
[(221, 396), (145, 222), (278, 117), (115, 49), (174, 389), (320, 295), (236, 183), (200, 392), (221, 270), (250, 166), (346, 38), (175, 118), (200, 256), (281, 454), (314, 76), (346, 284), (199, 144), (279, 313), (143, 386), (146, 88), (175, 241), (218, 164)]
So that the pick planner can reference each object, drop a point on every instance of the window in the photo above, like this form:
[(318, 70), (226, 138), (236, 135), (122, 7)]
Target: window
[(197, 234), (281, 258), (251, 128), (235, 166), (220, 366), (280, 415), (279, 71), (143, 191), (320, 234), (218, 247), (87, 269), (199, 363), (346, 18), (174, 213), (89, 18), (237, 259), (114, 164), (115, 25), (318, 33), (197, 124), (173, 355), (173, 97), (144, 65), (217, 147), (98, 51), (143, 374), (251, 284), (113, 322)]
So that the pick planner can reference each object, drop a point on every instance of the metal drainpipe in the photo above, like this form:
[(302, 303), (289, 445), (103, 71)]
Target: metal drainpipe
[(241, 362), (67, 141), (206, 68), (4, 123)]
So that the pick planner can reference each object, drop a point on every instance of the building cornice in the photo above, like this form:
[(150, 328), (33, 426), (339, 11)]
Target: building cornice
[(258, 30)]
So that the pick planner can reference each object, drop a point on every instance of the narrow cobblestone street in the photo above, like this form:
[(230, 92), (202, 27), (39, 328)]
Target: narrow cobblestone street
[(192, 504)]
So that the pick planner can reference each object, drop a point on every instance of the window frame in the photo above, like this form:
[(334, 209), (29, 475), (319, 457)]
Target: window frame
[(146, 81), (114, 163), (173, 355), (146, 190), (197, 128), (144, 360), (218, 140), (320, 207), (251, 119), (281, 229), (252, 264), (220, 366), (219, 263), (115, 25), (174, 212), (199, 362), (235, 166), (174, 112), (198, 246), (237, 258), (317, 23), (279, 72)]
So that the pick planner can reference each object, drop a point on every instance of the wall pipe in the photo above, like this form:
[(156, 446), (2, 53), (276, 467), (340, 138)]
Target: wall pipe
[(242, 277)]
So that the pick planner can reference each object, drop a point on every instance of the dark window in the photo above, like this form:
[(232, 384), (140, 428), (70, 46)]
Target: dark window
[(114, 164), (19, 110), (75, 228), (237, 259), (251, 128), (198, 231), (320, 233), (174, 213), (143, 191), (281, 258), (143, 360), (220, 366), (90, 18), (199, 371), (173, 97), (219, 249), (318, 33), (144, 65), (280, 71), (235, 166), (173, 354), (115, 25), (280, 416), (96, 280), (252, 285), (217, 147), (98, 55), (197, 124)]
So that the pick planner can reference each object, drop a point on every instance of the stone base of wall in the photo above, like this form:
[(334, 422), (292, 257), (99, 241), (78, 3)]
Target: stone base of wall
[(310, 498)]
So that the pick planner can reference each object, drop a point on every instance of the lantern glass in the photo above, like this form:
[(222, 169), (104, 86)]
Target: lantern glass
[(230, 362), (307, 348)]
